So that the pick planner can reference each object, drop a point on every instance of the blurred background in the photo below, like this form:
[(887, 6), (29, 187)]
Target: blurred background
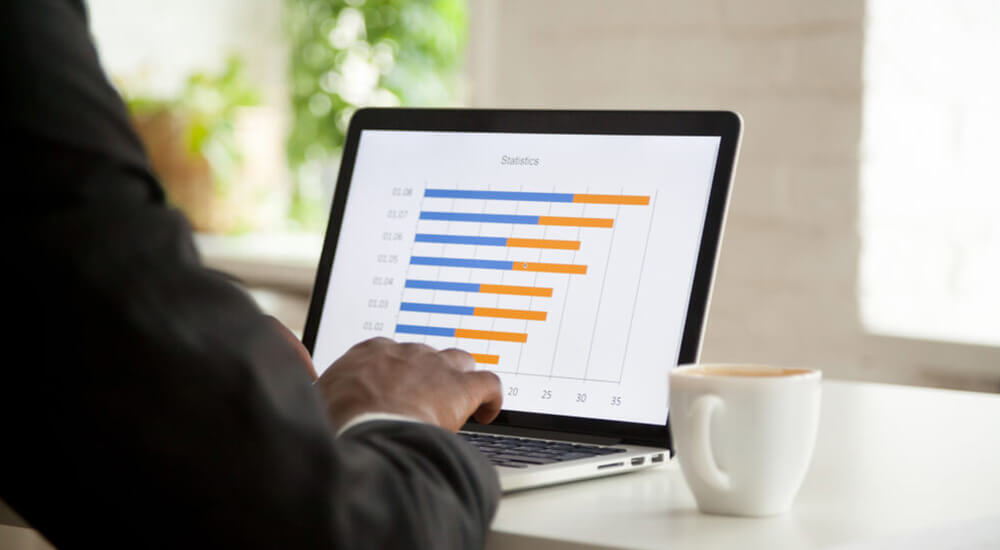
[(863, 235)]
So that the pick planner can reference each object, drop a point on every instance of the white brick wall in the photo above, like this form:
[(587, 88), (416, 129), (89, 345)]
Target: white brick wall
[(786, 289), (796, 15)]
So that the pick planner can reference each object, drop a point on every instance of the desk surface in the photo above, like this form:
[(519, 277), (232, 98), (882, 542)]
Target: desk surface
[(889, 460)]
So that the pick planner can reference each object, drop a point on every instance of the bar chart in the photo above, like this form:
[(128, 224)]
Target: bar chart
[(469, 245)]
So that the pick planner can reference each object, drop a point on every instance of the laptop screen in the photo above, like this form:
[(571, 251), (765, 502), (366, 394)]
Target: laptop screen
[(562, 262)]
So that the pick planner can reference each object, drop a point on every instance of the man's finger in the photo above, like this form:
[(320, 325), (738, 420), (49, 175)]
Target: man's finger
[(457, 359), (376, 342), (410, 349), (486, 387)]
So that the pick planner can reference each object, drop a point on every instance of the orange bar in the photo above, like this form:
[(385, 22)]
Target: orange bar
[(509, 313), (550, 268), (491, 335), (486, 359), (611, 199), (576, 222), (543, 243), (516, 290)]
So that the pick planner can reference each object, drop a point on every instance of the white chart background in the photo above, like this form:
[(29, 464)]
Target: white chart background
[(610, 336)]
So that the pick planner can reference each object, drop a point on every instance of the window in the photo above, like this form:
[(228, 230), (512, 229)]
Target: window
[(260, 93), (930, 185)]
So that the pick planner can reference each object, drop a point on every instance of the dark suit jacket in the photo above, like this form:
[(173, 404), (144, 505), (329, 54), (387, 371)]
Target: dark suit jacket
[(145, 401)]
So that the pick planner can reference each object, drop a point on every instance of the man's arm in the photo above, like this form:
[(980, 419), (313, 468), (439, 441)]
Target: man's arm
[(157, 406)]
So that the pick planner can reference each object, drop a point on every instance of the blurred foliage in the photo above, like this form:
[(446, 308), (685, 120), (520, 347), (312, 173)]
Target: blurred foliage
[(208, 104), (348, 54)]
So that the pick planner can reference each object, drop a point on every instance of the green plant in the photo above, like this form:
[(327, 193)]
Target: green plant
[(348, 54), (207, 104)]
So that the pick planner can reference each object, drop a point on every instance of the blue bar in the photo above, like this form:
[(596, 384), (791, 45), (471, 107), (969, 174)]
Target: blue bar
[(470, 217), (435, 308), (442, 285), (498, 195), (429, 331), (461, 262), (461, 239)]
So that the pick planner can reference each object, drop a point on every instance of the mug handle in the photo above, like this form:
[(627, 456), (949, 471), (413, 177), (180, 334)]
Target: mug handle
[(702, 457)]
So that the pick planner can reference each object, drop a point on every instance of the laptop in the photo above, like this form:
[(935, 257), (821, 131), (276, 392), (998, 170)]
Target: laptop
[(570, 252)]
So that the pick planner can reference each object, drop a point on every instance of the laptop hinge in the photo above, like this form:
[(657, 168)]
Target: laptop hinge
[(541, 434)]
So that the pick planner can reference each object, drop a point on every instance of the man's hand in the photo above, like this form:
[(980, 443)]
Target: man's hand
[(438, 387)]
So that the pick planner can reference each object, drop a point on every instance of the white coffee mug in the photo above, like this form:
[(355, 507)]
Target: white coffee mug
[(744, 434)]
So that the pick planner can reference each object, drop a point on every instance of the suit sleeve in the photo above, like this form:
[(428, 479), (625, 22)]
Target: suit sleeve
[(147, 402)]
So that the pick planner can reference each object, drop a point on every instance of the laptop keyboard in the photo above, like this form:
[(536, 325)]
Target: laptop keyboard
[(517, 452)]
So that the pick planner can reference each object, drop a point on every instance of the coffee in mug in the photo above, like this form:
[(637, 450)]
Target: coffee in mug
[(744, 434)]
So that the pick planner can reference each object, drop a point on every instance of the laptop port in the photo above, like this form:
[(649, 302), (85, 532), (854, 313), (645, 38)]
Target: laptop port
[(610, 465), (657, 458), (638, 461)]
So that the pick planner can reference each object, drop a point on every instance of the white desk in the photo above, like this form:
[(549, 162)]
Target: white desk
[(889, 460)]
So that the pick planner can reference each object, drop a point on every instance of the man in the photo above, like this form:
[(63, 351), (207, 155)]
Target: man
[(153, 404)]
